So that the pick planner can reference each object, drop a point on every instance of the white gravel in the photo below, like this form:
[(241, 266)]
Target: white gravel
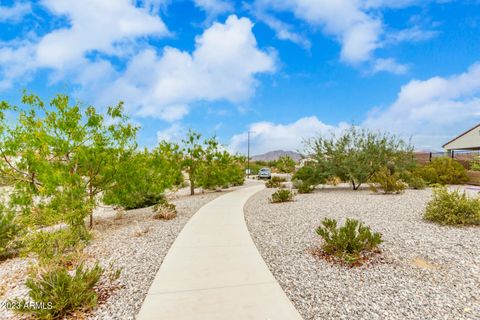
[(135, 243), (428, 271)]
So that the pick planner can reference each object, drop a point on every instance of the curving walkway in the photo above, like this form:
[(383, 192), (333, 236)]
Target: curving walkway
[(214, 271)]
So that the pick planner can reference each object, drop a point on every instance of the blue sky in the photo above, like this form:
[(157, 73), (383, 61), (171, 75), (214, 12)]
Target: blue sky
[(285, 69)]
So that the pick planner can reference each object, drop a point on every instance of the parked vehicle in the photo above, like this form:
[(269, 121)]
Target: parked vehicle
[(264, 173)]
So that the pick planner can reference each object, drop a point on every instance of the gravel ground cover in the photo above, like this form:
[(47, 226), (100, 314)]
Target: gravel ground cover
[(427, 271), (135, 243)]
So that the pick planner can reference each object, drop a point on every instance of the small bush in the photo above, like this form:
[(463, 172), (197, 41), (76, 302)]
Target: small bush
[(9, 231), (348, 242), (444, 170), (61, 291), (50, 245), (453, 208), (310, 175), (475, 164), (417, 183), (282, 195), (303, 187), (164, 210), (144, 201), (388, 182), (275, 182)]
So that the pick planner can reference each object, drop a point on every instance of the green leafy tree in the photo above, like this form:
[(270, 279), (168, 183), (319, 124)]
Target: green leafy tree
[(141, 180), (60, 157), (357, 154), (193, 156)]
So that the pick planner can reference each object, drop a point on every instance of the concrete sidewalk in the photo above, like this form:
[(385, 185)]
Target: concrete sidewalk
[(214, 271)]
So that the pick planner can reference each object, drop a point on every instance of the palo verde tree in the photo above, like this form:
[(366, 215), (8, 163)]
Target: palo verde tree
[(208, 165), (358, 154), (142, 180), (60, 157)]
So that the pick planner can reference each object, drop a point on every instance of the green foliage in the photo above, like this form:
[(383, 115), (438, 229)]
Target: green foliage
[(453, 208), (475, 164), (285, 164), (60, 157), (417, 183), (349, 241), (50, 246), (61, 292), (9, 232), (310, 176), (275, 182), (357, 155), (141, 181), (219, 168), (303, 187), (282, 195), (208, 165), (388, 181), (444, 170)]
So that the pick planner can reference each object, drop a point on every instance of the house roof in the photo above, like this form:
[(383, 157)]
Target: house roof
[(461, 135)]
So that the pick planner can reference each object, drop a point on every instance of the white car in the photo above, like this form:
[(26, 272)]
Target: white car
[(264, 173)]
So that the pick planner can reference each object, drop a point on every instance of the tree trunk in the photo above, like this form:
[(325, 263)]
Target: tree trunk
[(192, 187)]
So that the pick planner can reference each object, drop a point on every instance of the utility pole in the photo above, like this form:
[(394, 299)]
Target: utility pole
[(248, 154)]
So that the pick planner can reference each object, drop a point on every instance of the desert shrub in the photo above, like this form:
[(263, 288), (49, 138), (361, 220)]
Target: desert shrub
[(333, 181), (475, 164), (388, 181), (453, 208), (349, 241), (50, 245), (9, 231), (275, 182), (444, 170), (310, 175), (282, 195), (164, 210), (61, 291), (303, 187), (417, 183)]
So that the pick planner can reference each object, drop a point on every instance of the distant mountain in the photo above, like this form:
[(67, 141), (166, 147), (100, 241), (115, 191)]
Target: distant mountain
[(274, 155)]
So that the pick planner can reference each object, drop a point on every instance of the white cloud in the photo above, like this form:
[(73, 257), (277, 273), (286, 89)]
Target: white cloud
[(389, 65), (358, 31), (109, 27), (14, 13), (222, 67), (430, 110), (214, 7), (268, 136), (174, 133), (95, 25), (414, 34)]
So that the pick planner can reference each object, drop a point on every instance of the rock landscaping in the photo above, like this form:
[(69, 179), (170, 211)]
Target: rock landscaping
[(424, 270)]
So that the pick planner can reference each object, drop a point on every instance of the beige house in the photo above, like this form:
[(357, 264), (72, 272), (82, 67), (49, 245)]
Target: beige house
[(469, 140)]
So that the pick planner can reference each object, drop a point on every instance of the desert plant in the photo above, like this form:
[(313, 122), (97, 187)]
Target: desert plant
[(49, 245), (282, 195), (388, 181), (311, 175), (303, 187), (164, 210), (349, 241), (475, 164), (9, 232), (453, 208), (357, 155), (285, 164), (57, 291), (417, 183), (444, 170), (275, 182)]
